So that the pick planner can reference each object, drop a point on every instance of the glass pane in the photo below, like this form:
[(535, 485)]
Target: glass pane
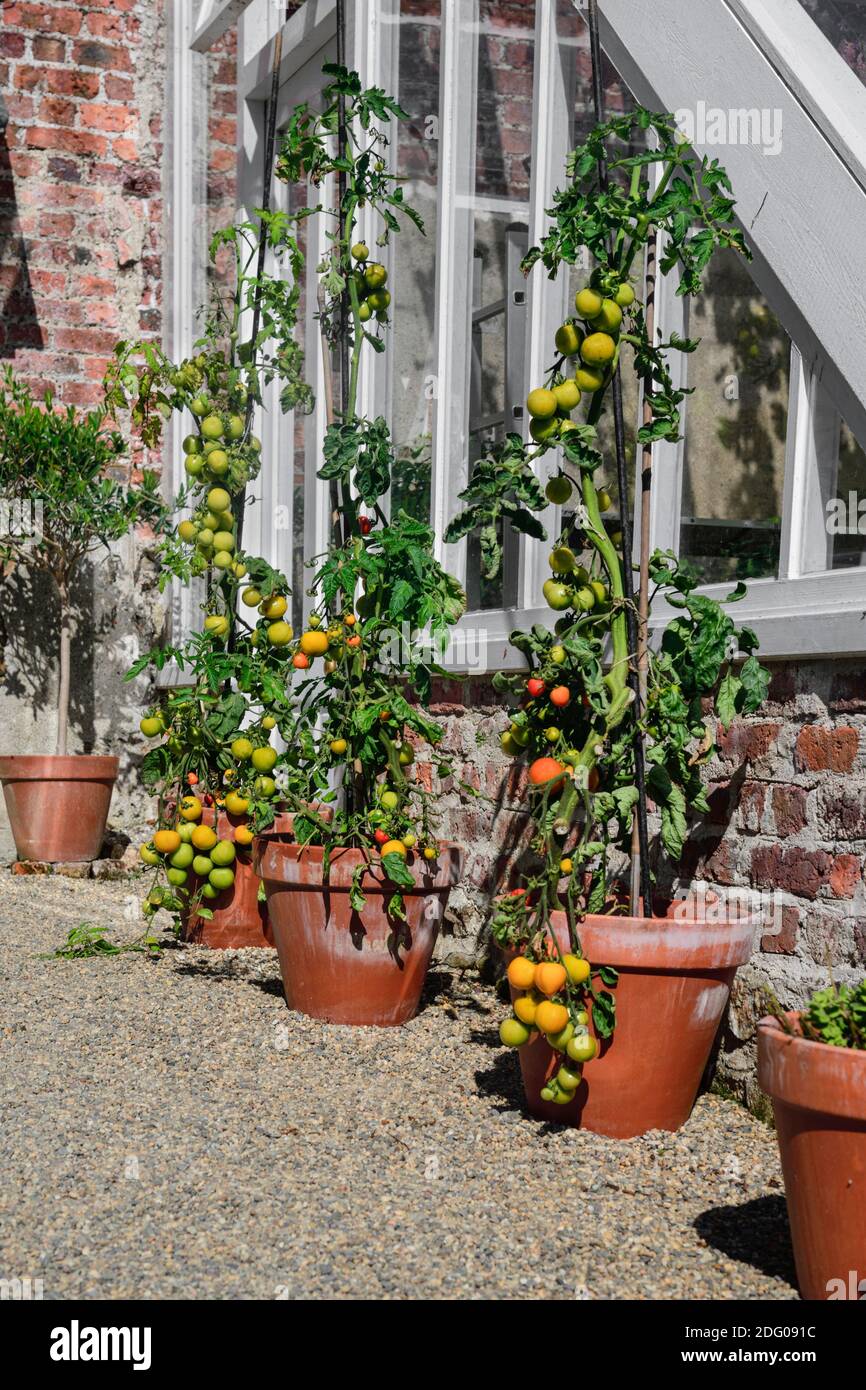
[(413, 261), (843, 22), (498, 194), (736, 423), (847, 518), (573, 39)]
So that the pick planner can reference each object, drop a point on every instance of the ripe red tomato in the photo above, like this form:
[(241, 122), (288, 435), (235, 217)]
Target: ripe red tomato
[(544, 770), (381, 837), (365, 524), (192, 779), (535, 686), (300, 661), (560, 695)]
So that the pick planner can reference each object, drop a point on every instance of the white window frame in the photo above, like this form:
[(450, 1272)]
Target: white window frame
[(807, 611)]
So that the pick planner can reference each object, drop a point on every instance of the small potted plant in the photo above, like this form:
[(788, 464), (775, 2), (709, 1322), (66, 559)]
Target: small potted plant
[(604, 723), (212, 762), (356, 907), (813, 1066), (64, 504)]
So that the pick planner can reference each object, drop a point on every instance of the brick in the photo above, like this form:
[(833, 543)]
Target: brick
[(19, 107), (782, 940), (117, 88), (747, 743), (127, 150), (66, 170), (848, 692), (109, 26), (27, 78), (50, 17), (100, 115), (56, 224), (843, 812), (13, 45), (826, 750), (80, 142), (801, 872), (99, 55), (789, 810), (752, 799), (85, 340), (57, 111), (845, 875), (72, 82)]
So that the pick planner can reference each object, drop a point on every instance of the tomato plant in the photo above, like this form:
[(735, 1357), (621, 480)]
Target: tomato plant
[(579, 727)]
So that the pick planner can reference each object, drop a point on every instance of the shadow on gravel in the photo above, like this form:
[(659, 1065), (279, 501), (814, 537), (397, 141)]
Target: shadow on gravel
[(223, 976), (501, 1082), (755, 1233)]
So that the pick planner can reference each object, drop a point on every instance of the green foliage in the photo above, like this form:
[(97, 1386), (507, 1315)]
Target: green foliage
[(67, 464), (88, 940), (837, 1016), (503, 486)]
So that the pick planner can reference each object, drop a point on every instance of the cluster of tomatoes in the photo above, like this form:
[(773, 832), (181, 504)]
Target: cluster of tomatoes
[(370, 281), (542, 1006), (593, 340), (387, 818), (192, 848), (212, 530), (219, 450), (571, 586)]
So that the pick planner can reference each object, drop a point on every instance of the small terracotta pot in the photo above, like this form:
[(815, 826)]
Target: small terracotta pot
[(819, 1100), (346, 966), (239, 918), (675, 979), (58, 806)]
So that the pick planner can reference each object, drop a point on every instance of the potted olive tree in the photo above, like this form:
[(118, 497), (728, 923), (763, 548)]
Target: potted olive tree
[(813, 1066), (356, 906), (212, 761), (599, 743), (62, 504)]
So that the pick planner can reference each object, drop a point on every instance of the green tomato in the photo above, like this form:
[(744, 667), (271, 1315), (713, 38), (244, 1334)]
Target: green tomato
[(221, 878), (388, 800), (223, 854), (208, 891), (183, 856), (148, 855), (582, 1048), (202, 865), (177, 876), (185, 830)]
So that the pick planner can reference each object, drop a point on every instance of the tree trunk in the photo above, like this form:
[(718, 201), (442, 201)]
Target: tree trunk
[(65, 664)]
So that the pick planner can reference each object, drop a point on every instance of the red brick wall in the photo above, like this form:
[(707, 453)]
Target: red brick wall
[(80, 184)]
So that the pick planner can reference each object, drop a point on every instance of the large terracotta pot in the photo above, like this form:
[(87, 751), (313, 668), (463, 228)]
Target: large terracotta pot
[(58, 806), (675, 979), (346, 966), (239, 918), (819, 1100)]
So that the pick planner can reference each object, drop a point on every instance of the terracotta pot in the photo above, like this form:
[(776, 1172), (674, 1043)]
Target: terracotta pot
[(239, 918), (58, 806), (819, 1100), (675, 978), (342, 965)]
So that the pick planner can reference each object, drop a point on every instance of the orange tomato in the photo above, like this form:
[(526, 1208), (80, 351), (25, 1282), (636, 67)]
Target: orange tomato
[(166, 841), (243, 835), (560, 695), (526, 1008), (521, 973), (550, 977), (551, 1018), (300, 661)]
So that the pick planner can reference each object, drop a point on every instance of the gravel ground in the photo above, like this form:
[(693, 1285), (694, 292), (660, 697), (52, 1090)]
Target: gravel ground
[(170, 1130)]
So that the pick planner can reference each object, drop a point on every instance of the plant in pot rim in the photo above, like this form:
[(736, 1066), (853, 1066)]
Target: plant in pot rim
[(213, 768), (578, 722), (813, 1066), (357, 907), (58, 470)]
